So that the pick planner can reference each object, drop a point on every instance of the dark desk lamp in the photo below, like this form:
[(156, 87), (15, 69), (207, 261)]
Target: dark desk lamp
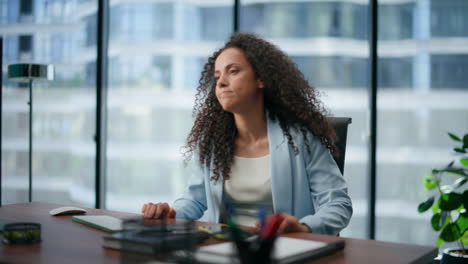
[(27, 73)]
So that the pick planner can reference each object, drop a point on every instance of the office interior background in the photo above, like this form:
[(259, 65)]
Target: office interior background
[(155, 55)]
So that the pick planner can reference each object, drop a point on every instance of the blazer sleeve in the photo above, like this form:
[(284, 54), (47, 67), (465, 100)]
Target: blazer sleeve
[(328, 190), (192, 204)]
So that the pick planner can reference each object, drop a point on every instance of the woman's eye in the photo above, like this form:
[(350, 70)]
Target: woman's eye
[(233, 71)]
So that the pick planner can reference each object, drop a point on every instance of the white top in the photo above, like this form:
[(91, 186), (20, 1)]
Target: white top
[(249, 187)]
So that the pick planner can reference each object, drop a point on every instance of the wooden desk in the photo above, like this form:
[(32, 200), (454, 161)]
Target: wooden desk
[(64, 241)]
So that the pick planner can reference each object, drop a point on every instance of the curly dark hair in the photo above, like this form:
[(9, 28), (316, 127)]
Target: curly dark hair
[(288, 98)]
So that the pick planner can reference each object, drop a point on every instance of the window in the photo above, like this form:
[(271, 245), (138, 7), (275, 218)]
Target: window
[(3, 12), (449, 71), (314, 34), (64, 109), (26, 7), (395, 72), (156, 55), (396, 21), (333, 71), (25, 51), (212, 26), (414, 119), (449, 19)]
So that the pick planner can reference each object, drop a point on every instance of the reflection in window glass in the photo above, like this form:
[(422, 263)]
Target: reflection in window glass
[(327, 40), (395, 72), (449, 71), (334, 71), (156, 54), (396, 21), (64, 109), (428, 65), (311, 19), (448, 18)]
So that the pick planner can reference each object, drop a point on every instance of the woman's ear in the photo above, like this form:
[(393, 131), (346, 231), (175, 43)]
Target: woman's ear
[(260, 84)]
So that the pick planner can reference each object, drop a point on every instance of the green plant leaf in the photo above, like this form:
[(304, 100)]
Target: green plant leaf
[(451, 232), (426, 177), (462, 222), (465, 199), (435, 208), (464, 238), (424, 206), (459, 182), (429, 184), (440, 242), (452, 136), (446, 188), (440, 220), (465, 141), (450, 164), (459, 150), (464, 161), (450, 201), (455, 170), (435, 221)]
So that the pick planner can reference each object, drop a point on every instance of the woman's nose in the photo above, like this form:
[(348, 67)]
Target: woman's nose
[(222, 81)]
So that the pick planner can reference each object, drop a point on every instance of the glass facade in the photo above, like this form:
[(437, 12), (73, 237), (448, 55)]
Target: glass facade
[(156, 54), (49, 32), (327, 40), (423, 94), (155, 57)]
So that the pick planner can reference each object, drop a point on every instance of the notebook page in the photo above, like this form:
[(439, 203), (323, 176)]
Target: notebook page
[(284, 247), (287, 247)]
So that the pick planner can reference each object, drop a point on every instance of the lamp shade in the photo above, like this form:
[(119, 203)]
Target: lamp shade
[(24, 72)]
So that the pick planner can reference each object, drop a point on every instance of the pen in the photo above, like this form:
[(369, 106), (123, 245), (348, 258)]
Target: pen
[(262, 217), (272, 226), (235, 231)]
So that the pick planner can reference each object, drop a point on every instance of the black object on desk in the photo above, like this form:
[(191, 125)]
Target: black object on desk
[(156, 239), (21, 233), (257, 251)]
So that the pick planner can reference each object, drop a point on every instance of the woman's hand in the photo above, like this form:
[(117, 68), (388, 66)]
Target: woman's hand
[(289, 224), (158, 210)]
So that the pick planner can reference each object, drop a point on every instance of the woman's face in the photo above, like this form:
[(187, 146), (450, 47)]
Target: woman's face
[(237, 88)]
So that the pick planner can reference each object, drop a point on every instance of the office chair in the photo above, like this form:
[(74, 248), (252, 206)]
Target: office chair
[(340, 124)]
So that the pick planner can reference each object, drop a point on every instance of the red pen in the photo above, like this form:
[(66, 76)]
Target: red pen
[(272, 226)]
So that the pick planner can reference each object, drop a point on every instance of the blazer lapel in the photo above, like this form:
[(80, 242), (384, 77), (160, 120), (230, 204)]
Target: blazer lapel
[(280, 167), (215, 198)]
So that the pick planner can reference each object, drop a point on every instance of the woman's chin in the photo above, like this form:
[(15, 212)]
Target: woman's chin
[(228, 107)]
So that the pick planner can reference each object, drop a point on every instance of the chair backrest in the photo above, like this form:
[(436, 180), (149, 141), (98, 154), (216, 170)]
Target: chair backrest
[(340, 124)]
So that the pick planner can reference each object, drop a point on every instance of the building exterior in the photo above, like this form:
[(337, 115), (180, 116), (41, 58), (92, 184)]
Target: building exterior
[(156, 52)]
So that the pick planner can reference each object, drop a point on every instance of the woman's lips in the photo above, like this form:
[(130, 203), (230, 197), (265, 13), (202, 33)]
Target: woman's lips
[(226, 93)]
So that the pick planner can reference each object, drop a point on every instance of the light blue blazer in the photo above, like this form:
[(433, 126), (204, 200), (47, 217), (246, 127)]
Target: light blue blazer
[(308, 185)]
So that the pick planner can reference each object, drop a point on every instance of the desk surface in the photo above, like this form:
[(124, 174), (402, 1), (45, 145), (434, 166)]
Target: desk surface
[(64, 241)]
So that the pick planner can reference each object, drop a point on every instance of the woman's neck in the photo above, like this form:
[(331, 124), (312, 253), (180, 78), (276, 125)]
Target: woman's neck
[(251, 125)]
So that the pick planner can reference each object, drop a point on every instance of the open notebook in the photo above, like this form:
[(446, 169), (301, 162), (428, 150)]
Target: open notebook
[(286, 250)]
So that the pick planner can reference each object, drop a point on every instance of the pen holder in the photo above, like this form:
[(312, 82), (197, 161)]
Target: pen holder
[(259, 251)]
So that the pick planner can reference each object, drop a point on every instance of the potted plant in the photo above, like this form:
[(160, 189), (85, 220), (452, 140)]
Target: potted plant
[(449, 203)]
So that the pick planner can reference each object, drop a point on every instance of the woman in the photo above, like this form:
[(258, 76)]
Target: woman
[(260, 139)]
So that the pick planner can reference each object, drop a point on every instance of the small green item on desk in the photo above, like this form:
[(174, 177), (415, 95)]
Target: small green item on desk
[(217, 231), (21, 233)]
